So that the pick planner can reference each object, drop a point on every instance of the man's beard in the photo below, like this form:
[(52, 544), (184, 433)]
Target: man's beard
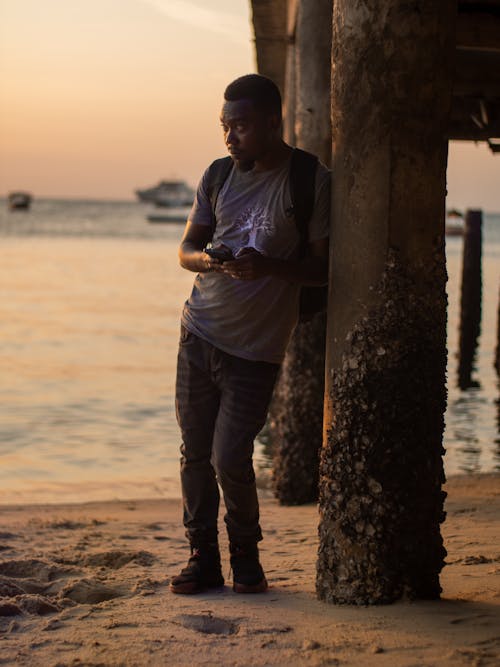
[(244, 165)]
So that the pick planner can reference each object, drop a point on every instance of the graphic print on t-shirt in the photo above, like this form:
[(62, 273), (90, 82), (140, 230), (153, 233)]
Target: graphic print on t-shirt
[(254, 227)]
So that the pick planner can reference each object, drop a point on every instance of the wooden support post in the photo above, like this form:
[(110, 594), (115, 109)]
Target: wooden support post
[(470, 304), (497, 352), (381, 472), (497, 364), (296, 423), (289, 99)]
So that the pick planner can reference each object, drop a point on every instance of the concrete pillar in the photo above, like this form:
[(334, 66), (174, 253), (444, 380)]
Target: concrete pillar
[(381, 472), (297, 411), (269, 24)]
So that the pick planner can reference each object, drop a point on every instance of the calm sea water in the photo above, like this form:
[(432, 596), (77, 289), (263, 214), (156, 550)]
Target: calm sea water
[(90, 301)]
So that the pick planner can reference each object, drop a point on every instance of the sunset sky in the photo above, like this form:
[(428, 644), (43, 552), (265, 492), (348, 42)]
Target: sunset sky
[(98, 97)]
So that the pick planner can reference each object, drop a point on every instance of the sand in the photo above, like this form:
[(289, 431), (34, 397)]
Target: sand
[(87, 585)]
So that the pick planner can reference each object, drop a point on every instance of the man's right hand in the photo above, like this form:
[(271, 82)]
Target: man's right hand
[(210, 263), (191, 255)]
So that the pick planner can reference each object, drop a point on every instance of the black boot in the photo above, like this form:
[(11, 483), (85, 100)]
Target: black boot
[(248, 575), (202, 571)]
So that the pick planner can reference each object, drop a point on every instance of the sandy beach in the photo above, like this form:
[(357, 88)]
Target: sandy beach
[(87, 584)]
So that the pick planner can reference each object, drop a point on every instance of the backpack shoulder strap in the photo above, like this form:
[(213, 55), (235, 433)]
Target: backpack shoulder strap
[(218, 172), (302, 188)]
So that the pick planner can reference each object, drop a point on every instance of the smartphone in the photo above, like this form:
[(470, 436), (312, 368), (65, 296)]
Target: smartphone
[(223, 254)]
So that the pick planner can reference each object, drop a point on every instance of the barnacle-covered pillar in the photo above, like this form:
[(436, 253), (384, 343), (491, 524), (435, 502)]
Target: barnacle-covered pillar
[(381, 471), (296, 423)]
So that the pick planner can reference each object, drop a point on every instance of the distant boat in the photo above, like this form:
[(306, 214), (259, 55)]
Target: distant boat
[(454, 223), (19, 200), (168, 193)]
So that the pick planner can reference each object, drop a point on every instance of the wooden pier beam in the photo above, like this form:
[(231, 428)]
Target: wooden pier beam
[(496, 362), (470, 302), (290, 92), (297, 412), (381, 473)]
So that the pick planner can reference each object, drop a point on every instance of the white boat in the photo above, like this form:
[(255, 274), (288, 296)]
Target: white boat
[(454, 223), (168, 193)]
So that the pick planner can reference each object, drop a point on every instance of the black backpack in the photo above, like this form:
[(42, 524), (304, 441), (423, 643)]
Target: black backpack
[(302, 187)]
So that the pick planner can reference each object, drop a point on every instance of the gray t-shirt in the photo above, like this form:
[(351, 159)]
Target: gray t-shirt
[(252, 319)]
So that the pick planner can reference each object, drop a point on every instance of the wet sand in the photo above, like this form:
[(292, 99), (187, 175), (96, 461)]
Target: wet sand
[(87, 584)]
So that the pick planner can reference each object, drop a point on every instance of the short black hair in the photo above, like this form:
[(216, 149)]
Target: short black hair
[(261, 90)]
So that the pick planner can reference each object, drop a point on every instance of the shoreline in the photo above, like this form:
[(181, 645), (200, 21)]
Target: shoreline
[(264, 489), (87, 583)]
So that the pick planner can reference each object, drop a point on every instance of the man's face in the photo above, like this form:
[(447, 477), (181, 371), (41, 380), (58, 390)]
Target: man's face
[(248, 132)]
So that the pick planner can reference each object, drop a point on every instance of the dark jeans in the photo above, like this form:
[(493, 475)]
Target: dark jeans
[(221, 405)]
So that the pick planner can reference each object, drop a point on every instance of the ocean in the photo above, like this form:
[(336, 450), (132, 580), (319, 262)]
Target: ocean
[(91, 295)]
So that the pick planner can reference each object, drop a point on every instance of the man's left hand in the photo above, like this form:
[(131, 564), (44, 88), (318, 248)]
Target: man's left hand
[(248, 265)]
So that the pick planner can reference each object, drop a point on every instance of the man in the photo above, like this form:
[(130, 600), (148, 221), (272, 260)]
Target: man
[(235, 328)]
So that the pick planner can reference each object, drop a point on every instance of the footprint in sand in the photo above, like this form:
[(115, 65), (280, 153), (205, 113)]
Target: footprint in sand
[(65, 524), (89, 591), (8, 589), (117, 559), (148, 586), (28, 604), (33, 568), (477, 560), (209, 624), (154, 526), (24, 580), (6, 536), (36, 605), (467, 619), (19, 577), (9, 609)]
